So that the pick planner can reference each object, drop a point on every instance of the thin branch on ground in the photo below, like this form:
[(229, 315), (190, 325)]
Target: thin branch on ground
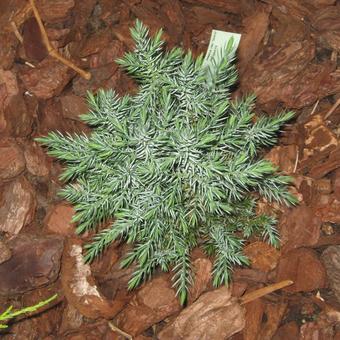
[(314, 107), (53, 52), (264, 291), (332, 109), (296, 160), (16, 32), (119, 331)]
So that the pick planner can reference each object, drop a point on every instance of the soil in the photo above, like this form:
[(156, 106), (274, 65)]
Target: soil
[(288, 57)]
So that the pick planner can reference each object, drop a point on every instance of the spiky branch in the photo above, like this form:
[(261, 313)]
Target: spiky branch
[(173, 166)]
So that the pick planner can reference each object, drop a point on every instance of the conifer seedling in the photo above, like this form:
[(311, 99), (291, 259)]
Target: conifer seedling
[(10, 314), (175, 166)]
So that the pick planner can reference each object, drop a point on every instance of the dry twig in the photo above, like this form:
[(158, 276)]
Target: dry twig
[(296, 160), (264, 291), (16, 32), (332, 109), (29, 64), (315, 106), (18, 16), (119, 331), (54, 53)]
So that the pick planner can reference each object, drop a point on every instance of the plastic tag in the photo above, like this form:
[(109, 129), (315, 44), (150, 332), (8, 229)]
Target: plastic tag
[(218, 43)]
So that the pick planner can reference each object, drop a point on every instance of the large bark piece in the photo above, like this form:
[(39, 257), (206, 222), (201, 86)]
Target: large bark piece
[(35, 262), (215, 315)]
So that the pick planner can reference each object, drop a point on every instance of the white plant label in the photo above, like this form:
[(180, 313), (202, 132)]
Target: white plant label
[(218, 43)]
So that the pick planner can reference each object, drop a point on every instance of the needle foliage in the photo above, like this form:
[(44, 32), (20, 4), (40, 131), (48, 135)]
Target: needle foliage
[(175, 165), (10, 314)]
